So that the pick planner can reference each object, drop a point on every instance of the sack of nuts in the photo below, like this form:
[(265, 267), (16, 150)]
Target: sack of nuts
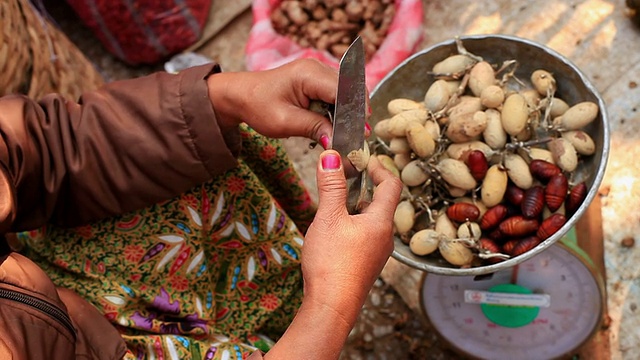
[(285, 30)]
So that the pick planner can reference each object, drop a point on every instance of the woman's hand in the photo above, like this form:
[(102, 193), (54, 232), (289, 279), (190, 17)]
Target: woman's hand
[(275, 102), (341, 257), (342, 254)]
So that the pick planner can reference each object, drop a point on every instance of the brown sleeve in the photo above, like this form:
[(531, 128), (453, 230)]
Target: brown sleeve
[(126, 146)]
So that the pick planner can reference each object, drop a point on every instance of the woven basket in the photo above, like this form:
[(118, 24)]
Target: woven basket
[(36, 58)]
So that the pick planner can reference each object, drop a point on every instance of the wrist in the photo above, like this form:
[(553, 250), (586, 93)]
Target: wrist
[(223, 101), (343, 301), (318, 331)]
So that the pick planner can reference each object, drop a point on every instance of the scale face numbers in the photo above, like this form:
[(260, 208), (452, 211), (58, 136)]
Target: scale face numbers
[(554, 304)]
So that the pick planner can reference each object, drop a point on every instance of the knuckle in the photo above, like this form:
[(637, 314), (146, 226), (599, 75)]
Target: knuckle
[(396, 184), (301, 66), (334, 183), (313, 129)]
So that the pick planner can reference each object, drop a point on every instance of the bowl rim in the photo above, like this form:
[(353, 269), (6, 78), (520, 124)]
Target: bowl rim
[(591, 193)]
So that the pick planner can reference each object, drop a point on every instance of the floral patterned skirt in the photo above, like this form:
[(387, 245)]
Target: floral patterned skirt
[(211, 274)]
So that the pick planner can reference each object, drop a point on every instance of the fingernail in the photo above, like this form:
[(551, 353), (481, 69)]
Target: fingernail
[(324, 141), (369, 111), (331, 162), (367, 129)]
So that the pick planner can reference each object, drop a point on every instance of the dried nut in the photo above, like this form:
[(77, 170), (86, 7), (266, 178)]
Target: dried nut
[(401, 160), (494, 134), (371, 30), (296, 13), (518, 171), (396, 106), (313, 31), (323, 42), (455, 192), (354, 10), (467, 127), (543, 82), (531, 97), (459, 150), (481, 76), (523, 135), (536, 154), (558, 106), (406, 194), (388, 163), (413, 175), (339, 15), (338, 49), (371, 9), (557, 122), (437, 96), (399, 145), (381, 129), (492, 96), (337, 35), (399, 123), (455, 253), (467, 105), (279, 19), (494, 186), (581, 141), (579, 115), (359, 158), (445, 226), (514, 114), (454, 64), (403, 218), (456, 173), (424, 242), (420, 141), (433, 129), (319, 13), (309, 4), (452, 85), (564, 154), (469, 230)]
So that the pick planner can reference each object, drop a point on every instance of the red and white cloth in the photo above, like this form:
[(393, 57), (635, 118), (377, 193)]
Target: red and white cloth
[(267, 49)]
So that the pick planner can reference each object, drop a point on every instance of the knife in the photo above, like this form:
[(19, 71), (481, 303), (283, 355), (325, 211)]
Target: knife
[(348, 116), (349, 119)]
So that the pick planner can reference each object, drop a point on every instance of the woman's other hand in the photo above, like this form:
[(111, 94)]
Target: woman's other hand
[(341, 258), (342, 254), (275, 102)]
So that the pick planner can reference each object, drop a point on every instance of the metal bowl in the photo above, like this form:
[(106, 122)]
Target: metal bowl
[(411, 80)]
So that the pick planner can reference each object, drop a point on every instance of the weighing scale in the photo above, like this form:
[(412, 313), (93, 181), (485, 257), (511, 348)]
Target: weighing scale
[(544, 308)]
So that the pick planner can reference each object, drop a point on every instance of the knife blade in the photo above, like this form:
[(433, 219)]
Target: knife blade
[(349, 117)]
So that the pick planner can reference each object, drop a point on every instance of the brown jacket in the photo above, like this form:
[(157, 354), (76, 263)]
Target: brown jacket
[(126, 146)]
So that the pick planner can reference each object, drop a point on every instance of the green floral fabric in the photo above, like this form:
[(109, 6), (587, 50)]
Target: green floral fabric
[(211, 274)]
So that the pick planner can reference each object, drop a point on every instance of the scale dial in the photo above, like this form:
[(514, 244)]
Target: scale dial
[(568, 289)]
